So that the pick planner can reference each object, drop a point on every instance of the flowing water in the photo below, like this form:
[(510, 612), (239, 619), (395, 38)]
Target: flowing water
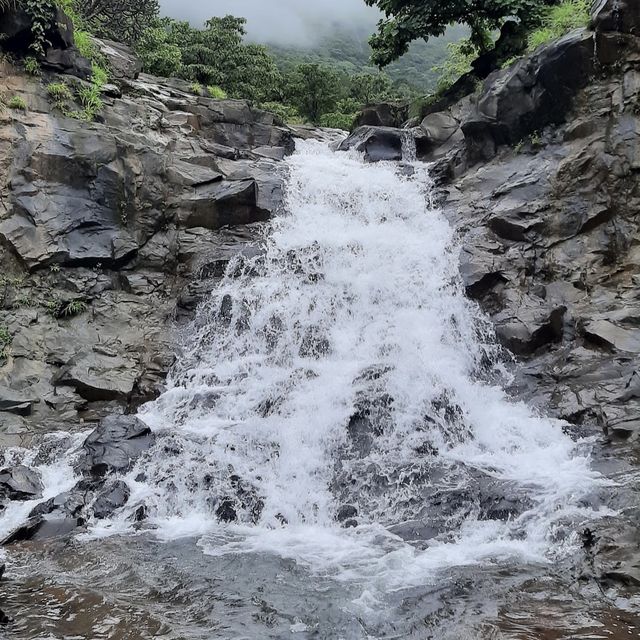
[(336, 457)]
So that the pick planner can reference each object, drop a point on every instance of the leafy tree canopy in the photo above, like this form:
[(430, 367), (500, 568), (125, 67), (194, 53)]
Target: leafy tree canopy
[(409, 20), (120, 20)]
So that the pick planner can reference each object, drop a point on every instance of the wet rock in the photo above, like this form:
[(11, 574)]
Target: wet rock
[(15, 29), (414, 531), (226, 510), (24, 532), (377, 143), (346, 512), (4, 618), (531, 330), (616, 15), (215, 206), (12, 402), (110, 499), (115, 445), (20, 483), (71, 504)]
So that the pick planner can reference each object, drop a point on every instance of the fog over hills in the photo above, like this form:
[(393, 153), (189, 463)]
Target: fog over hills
[(282, 22)]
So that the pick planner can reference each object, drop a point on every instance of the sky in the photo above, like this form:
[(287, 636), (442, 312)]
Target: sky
[(295, 22)]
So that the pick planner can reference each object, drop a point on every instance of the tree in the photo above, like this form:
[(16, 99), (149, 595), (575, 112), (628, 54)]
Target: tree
[(213, 56), (121, 20), (367, 88), (158, 54), (314, 90), (409, 20)]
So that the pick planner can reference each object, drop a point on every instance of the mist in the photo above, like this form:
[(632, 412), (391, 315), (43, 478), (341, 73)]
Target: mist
[(284, 22)]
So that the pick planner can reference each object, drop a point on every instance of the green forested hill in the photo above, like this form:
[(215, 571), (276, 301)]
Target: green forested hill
[(349, 51)]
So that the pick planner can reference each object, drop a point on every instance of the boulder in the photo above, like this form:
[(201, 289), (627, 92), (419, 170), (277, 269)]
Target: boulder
[(122, 60), (622, 16), (20, 483), (110, 499), (376, 143), (439, 127), (115, 445), (535, 92)]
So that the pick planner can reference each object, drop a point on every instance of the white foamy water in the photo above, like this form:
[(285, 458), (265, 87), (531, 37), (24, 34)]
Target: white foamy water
[(346, 367)]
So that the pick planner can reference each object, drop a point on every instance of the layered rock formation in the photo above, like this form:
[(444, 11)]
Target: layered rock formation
[(106, 228)]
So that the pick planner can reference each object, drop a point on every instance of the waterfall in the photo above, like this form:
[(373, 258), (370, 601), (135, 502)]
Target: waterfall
[(338, 400)]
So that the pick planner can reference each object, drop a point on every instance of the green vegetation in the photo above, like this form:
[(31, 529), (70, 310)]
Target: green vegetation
[(558, 20), (424, 45), (17, 103), (5, 342), (32, 66), (59, 92), (511, 20), (217, 93), (65, 308)]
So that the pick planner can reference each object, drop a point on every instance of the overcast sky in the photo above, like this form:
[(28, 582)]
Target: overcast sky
[(281, 21)]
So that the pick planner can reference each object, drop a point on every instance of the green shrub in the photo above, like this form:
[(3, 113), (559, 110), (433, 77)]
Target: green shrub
[(90, 99), (559, 20), (32, 66), (18, 103), (196, 88), (59, 92), (217, 93), (337, 120)]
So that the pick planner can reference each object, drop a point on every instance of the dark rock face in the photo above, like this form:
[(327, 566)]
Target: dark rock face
[(15, 29), (377, 143), (535, 92), (543, 187), (105, 227), (115, 445), (110, 499), (123, 63)]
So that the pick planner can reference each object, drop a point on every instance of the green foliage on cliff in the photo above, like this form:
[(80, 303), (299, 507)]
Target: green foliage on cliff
[(560, 19)]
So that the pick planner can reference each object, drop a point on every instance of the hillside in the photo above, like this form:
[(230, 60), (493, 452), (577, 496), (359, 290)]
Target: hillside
[(349, 50)]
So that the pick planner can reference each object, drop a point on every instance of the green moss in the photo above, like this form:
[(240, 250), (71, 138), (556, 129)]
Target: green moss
[(196, 88)]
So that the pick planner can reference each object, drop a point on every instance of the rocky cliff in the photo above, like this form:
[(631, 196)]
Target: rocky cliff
[(112, 229)]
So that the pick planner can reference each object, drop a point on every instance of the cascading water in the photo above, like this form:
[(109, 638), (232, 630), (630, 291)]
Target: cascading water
[(337, 406), (337, 400)]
